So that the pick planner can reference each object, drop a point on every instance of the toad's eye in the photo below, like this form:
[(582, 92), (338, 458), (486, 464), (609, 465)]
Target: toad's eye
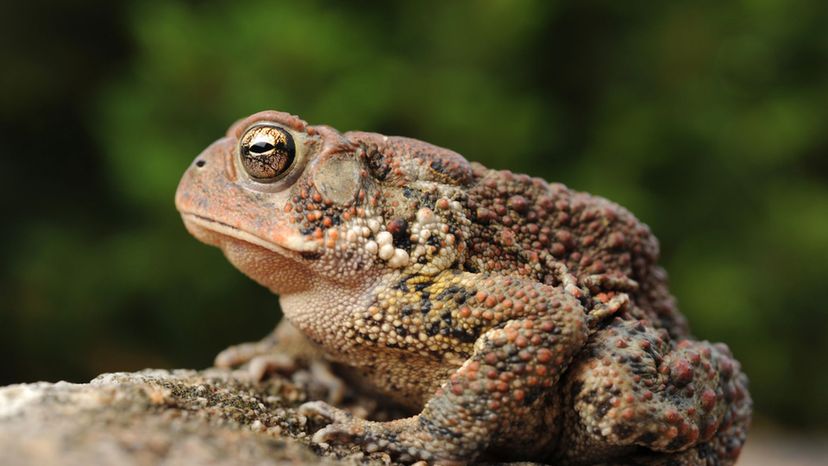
[(267, 152)]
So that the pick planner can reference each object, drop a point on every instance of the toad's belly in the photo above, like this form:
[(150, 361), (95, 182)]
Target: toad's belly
[(407, 379)]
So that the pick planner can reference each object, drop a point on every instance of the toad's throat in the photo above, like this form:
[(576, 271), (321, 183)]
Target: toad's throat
[(289, 247)]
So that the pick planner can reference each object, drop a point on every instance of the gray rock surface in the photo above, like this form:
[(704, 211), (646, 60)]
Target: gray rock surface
[(210, 417), (157, 417)]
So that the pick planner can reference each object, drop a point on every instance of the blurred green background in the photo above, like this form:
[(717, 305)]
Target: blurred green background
[(707, 119)]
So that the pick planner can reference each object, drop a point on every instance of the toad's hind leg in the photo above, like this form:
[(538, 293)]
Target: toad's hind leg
[(634, 395)]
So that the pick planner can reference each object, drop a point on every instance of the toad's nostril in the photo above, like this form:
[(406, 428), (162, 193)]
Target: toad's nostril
[(200, 163)]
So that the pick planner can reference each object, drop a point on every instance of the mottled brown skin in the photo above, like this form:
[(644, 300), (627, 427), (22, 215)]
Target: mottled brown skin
[(521, 319)]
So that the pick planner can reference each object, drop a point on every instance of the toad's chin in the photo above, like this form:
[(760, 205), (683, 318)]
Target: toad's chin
[(274, 266)]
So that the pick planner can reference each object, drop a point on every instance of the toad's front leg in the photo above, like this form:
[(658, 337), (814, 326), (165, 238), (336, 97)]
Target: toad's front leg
[(501, 395), (288, 352)]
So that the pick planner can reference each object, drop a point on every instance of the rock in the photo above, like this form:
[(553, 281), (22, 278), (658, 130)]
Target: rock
[(151, 417)]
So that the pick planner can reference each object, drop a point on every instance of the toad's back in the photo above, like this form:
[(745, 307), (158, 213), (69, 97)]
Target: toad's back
[(529, 227)]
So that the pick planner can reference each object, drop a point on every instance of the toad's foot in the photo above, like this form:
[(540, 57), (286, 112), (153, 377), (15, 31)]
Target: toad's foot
[(260, 358), (263, 357), (284, 351), (405, 439)]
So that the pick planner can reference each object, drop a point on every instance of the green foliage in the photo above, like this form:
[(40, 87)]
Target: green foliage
[(706, 119)]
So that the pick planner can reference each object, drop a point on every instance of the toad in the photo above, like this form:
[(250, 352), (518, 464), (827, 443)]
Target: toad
[(519, 319)]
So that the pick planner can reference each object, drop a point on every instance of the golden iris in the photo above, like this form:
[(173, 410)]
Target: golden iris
[(267, 152)]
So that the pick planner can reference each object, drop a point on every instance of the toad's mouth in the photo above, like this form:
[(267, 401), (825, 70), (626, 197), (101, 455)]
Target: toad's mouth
[(213, 232)]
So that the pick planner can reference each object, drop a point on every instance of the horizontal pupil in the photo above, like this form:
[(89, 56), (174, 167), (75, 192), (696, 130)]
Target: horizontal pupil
[(261, 147)]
